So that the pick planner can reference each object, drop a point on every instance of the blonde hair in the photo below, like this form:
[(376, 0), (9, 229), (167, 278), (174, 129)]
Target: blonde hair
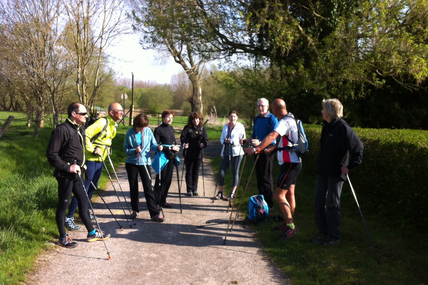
[(333, 107)]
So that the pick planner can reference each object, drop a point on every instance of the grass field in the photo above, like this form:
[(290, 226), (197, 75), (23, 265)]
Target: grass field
[(28, 197)]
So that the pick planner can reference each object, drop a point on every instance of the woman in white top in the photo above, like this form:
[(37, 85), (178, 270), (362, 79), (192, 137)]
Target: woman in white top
[(232, 139)]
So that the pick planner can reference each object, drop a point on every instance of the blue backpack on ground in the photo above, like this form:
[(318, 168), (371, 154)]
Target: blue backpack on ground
[(258, 209)]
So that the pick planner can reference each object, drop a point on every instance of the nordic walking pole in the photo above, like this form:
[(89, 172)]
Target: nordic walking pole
[(93, 212), (99, 194), (117, 195), (237, 187), (361, 213), (153, 189), (120, 187), (215, 189), (202, 160), (179, 187), (202, 164), (184, 162), (239, 207)]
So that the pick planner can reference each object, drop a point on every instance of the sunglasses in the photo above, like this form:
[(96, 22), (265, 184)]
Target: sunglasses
[(82, 114)]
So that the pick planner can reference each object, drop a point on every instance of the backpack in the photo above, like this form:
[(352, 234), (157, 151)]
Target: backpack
[(258, 209), (93, 120), (301, 147)]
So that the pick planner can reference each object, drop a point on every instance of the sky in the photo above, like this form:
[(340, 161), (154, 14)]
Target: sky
[(128, 57)]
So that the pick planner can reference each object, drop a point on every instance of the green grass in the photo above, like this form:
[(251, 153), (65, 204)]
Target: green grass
[(400, 251), (28, 197)]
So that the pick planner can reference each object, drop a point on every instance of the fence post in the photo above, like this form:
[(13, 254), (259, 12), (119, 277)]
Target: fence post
[(6, 124)]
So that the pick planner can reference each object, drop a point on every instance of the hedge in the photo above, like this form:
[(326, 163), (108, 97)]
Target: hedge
[(392, 180)]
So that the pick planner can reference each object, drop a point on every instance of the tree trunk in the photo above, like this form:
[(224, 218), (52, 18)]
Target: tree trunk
[(196, 101)]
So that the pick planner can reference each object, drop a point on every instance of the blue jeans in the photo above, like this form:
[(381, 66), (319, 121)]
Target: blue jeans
[(93, 173)]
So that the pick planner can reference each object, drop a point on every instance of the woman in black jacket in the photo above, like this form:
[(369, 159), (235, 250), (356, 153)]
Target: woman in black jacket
[(165, 138), (194, 139), (338, 140)]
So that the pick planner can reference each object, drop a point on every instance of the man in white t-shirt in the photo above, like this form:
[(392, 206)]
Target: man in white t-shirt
[(290, 163)]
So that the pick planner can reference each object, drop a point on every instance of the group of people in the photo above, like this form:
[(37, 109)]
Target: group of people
[(341, 151), (73, 150)]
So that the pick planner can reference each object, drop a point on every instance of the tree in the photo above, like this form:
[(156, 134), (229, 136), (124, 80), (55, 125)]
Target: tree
[(343, 49), (36, 64), (169, 25), (92, 26)]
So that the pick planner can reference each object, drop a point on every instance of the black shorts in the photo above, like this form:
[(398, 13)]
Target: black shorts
[(288, 176)]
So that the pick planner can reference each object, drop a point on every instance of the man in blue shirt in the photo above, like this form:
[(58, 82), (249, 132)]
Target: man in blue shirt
[(264, 124)]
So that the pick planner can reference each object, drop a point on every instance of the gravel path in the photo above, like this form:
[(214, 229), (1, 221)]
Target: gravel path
[(186, 249)]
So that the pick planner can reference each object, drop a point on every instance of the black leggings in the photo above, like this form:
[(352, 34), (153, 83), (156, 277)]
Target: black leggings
[(224, 165), (67, 186)]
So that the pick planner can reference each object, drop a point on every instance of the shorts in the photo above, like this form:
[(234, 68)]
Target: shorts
[(288, 176)]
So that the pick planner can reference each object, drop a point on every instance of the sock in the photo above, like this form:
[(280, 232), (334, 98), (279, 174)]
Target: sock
[(92, 233), (291, 226)]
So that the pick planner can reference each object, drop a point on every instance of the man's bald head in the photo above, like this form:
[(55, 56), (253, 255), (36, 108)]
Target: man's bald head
[(279, 108)]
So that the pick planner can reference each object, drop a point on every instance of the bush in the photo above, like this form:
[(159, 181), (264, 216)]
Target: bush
[(392, 179)]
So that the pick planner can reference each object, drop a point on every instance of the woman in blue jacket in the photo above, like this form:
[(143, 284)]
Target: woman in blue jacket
[(139, 140)]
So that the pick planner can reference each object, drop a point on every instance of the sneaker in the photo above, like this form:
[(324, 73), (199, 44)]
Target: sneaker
[(330, 241), (190, 194), (231, 196), (219, 195), (98, 235), (319, 238), (66, 242), (71, 225), (195, 194), (289, 233)]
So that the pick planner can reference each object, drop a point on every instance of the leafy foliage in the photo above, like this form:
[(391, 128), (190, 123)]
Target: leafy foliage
[(391, 181)]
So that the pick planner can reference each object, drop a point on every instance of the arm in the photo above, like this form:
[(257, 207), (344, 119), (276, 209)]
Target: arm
[(267, 141), (92, 131), (129, 144), (223, 134), (355, 147), (204, 137), (57, 139)]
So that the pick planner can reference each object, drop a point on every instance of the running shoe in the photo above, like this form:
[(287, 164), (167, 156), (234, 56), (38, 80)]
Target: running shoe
[(289, 233), (98, 235), (66, 242), (319, 238), (71, 225)]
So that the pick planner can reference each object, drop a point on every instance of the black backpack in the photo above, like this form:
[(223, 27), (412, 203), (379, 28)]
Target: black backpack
[(93, 120)]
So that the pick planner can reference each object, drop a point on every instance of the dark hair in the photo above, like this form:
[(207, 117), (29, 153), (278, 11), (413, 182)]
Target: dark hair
[(141, 121), (194, 115), (73, 107), (167, 113), (233, 112)]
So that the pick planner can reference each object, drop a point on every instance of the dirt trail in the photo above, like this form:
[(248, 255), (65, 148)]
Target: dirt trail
[(186, 249)]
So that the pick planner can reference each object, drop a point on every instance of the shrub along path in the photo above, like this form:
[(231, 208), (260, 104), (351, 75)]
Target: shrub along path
[(186, 249)]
